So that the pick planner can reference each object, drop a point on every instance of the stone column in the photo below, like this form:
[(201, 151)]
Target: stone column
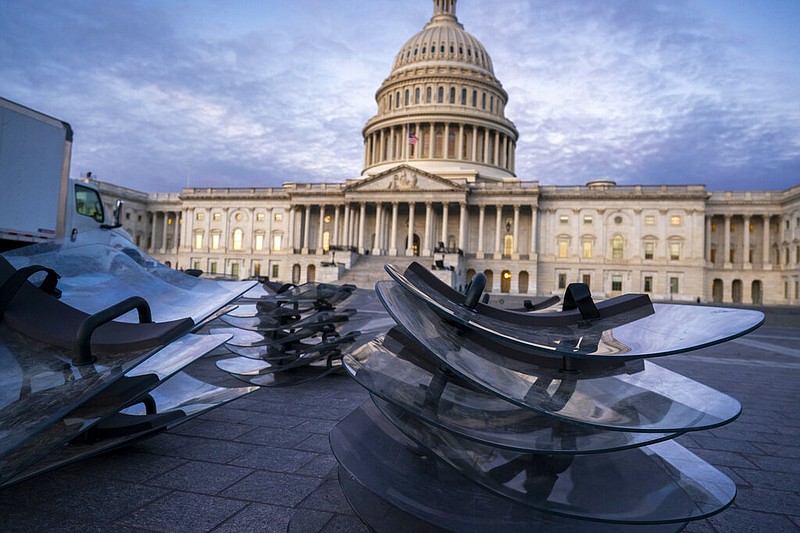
[(462, 227), (765, 240), (446, 145), (474, 144), (268, 236), (486, 134), (393, 236), (515, 249), (481, 217), (321, 229), (346, 226), (153, 231), (498, 224), (426, 239), (746, 244), (306, 229), (432, 143), (378, 244), (336, 225), (708, 238), (497, 148), (164, 232), (289, 230), (445, 213), (460, 142), (534, 216), (410, 243), (726, 257), (361, 217)]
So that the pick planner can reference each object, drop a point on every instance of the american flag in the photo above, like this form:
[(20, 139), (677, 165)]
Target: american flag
[(412, 138)]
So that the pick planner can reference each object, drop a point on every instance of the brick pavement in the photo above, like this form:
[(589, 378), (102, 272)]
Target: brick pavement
[(262, 463)]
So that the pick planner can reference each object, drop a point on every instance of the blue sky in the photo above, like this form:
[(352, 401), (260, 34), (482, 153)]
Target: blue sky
[(253, 93)]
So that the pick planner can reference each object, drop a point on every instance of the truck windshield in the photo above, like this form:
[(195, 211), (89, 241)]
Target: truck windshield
[(87, 203)]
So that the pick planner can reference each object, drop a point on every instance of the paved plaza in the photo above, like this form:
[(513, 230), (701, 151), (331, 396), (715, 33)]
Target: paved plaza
[(263, 463)]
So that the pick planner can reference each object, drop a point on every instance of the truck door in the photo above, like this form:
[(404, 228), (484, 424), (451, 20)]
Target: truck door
[(89, 214)]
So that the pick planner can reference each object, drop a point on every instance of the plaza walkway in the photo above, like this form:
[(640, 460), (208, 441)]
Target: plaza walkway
[(263, 463)]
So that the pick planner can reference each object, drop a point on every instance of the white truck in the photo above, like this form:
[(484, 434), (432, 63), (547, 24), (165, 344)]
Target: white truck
[(38, 200)]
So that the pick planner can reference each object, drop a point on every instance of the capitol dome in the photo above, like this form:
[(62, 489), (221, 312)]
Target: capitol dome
[(443, 39), (441, 109)]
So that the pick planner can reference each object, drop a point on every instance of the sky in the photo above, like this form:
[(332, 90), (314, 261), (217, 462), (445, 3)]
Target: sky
[(165, 94)]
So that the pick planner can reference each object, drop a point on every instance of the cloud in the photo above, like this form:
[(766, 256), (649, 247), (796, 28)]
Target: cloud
[(259, 93)]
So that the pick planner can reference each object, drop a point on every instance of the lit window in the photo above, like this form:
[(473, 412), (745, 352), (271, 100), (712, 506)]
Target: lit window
[(326, 240), (277, 241), (238, 217), (235, 269), (675, 220), (562, 248), (649, 250), (733, 227), (260, 217), (713, 257), (327, 219), (713, 227), (649, 220), (587, 279), (616, 282), (587, 249), (212, 267), (648, 284), (675, 251), (237, 239), (196, 265), (259, 241), (215, 241), (198, 241), (217, 216), (563, 219), (275, 271), (169, 221), (617, 247), (278, 217), (587, 219)]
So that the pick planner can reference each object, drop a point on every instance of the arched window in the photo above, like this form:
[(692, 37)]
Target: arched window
[(397, 98), (326, 240), (452, 95), (198, 240), (428, 95), (390, 101), (474, 98), (523, 282), (440, 95), (508, 245), (416, 95), (464, 96), (408, 94), (505, 281), (238, 234), (617, 247)]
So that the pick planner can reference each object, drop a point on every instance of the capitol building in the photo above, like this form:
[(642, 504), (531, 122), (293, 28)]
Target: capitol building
[(439, 186)]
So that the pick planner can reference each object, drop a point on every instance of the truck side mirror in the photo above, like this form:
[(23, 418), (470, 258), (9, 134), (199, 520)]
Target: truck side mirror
[(118, 213)]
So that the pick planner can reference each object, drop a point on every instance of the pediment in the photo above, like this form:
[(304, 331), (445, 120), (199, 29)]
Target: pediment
[(405, 178)]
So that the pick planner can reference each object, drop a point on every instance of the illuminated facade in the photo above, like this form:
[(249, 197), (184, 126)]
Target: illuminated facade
[(439, 185)]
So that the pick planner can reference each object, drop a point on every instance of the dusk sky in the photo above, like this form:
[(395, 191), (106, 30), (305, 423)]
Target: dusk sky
[(253, 93)]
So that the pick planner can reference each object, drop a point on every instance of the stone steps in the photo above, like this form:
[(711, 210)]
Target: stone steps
[(369, 269)]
